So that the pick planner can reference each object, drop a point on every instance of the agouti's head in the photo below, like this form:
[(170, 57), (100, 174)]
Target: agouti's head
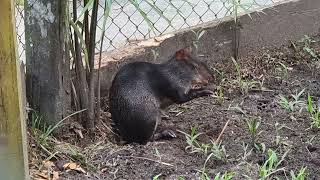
[(199, 71)]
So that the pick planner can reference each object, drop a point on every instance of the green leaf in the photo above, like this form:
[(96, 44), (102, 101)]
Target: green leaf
[(82, 43), (86, 8)]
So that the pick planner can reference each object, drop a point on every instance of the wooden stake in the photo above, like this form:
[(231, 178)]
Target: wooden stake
[(13, 149)]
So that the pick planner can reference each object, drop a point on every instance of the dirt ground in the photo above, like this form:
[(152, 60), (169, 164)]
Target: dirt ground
[(266, 76)]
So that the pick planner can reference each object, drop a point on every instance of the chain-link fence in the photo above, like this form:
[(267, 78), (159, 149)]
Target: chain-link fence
[(126, 23)]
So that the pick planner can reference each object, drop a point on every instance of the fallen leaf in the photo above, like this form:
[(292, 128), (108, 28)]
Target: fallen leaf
[(48, 164), (70, 165), (55, 175), (43, 174), (74, 166)]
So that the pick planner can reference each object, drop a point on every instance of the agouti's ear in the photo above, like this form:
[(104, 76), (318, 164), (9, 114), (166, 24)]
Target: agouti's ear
[(183, 53)]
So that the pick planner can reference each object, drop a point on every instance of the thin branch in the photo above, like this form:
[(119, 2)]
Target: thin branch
[(221, 133), (148, 159)]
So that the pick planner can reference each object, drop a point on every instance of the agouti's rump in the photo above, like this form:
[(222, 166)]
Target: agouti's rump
[(140, 89)]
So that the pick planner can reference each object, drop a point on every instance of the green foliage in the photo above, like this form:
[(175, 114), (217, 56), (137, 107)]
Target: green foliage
[(283, 69), (197, 36), (307, 47), (234, 7), (300, 176), (291, 105), (314, 112), (42, 132), (244, 85), (225, 176), (157, 177), (218, 176), (271, 165), (253, 125), (216, 151)]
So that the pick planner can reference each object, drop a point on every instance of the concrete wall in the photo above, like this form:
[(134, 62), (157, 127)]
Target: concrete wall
[(280, 23)]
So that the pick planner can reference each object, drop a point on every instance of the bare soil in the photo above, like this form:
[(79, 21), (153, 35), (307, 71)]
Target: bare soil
[(172, 160)]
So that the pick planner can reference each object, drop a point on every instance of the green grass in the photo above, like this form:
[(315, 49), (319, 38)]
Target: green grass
[(244, 85), (271, 165), (293, 102), (307, 47), (300, 176), (253, 127), (314, 112)]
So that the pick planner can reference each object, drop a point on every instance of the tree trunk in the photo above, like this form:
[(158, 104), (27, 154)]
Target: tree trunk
[(47, 58)]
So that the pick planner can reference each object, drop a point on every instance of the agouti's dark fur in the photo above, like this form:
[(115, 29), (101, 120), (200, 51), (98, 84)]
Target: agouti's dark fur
[(140, 90)]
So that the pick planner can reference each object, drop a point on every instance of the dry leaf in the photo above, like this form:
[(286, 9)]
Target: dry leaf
[(55, 175), (48, 164), (70, 165), (74, 166), (80, 169), (43, 174)]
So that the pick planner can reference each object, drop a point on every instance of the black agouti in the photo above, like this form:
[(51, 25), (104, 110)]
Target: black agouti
[(140, 90)]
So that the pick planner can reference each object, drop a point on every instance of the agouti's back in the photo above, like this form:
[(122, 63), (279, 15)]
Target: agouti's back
[(140, 89)]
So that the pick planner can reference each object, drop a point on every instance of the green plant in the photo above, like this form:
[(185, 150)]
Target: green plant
[(191, 139), (260, 147), (253, 125), (204, 175), (290, 105), (220, 94), (198, 34), (279, 139), (41, 131), (234, 7), (217, 152), (246, 151), (157, 153), (314, 113), (156, 177), (244, 85), (283, 69), (214, 150), (225, 176), (285, 103), (271, 165), (307, 46), (155, 53), (236, 108), (300, 176)]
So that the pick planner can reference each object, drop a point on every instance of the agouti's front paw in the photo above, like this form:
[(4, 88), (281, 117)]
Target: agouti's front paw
[(165, 134), (205, 92), (200, 92), (168, 134)]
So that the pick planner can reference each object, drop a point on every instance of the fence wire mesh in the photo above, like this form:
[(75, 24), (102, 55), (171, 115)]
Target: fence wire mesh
[(126, 23)]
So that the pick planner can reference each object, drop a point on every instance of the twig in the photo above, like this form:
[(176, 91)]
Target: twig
[(222, 131), (144, 158), (104, 124)]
